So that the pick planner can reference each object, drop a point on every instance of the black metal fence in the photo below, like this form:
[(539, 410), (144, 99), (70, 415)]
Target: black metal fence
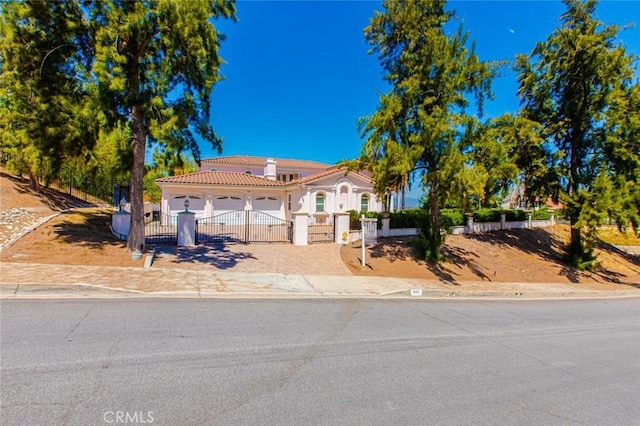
[(321, 228), (163, 229), (244, 226)]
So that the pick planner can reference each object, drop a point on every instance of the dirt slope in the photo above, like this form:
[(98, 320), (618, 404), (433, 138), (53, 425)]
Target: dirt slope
[(526, 255)]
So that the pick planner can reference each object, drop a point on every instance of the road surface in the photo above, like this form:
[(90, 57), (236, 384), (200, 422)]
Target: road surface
[(294, 362)]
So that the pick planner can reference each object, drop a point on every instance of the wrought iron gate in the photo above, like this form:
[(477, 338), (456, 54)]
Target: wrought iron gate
[(321, 228), (162, 230), (243, 226)]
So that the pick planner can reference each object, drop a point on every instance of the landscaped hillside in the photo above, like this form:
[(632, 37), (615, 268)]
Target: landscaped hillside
[(529, 255)]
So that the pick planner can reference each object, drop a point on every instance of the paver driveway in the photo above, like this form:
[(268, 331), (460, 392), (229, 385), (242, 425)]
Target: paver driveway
[(315, 259)]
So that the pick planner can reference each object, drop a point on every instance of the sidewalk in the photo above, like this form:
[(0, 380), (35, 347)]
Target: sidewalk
[(28, 280)]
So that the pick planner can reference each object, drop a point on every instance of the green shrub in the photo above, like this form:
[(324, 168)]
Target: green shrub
[(515, 215), (487, 215), (406, 218), (429, 240), (451, 217), (542, 214)]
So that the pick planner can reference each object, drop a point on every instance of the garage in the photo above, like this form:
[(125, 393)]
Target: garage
[(268, 204), (196, 204), (227, 203)]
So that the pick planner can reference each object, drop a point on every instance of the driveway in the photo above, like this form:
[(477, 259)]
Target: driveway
[(315, 259)]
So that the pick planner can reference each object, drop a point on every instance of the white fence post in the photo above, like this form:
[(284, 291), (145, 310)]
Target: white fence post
[(300, 228), (341, 223), (386, 226), (186, 229)]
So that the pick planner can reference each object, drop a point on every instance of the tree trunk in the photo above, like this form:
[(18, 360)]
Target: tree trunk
[(136, 233), (33, 182), (575, 247), (434, 207)]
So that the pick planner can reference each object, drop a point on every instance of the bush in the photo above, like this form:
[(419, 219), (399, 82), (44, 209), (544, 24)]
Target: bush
[(406, 218), (487, 215), (542, 214), (451, 217), (515, 215)]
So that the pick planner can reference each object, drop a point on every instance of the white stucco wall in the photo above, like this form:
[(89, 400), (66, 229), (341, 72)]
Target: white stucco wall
[(303, 198)]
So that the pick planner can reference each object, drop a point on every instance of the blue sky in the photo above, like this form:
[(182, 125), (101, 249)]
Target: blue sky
[(298, 75)]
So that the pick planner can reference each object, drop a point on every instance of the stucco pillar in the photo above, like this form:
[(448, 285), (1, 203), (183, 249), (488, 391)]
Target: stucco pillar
[(386, 226), (309, 200), (208, 205), (470, 224), (300, 228), (186, 229), (503, 221), (341, 223)]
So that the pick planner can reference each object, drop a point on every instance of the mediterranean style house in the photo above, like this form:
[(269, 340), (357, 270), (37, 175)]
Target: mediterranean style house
[(275, 186)]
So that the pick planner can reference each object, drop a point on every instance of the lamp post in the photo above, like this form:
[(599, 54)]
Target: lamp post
[(186, 204)]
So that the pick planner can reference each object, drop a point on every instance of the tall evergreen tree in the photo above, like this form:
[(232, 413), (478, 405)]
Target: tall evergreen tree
[(417, 125), (43, 114), (579, 85), (156, 65)]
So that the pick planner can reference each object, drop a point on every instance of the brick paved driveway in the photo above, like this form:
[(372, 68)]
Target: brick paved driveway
[(315, 259)]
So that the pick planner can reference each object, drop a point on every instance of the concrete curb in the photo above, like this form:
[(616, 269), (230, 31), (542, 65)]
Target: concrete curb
[(81, 291)]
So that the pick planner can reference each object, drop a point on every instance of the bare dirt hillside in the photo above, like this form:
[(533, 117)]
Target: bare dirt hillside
[(525, 255)]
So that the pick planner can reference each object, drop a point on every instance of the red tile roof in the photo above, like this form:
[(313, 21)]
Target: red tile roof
[(221, 178), (247, 160), (328, 172), (243, 179)]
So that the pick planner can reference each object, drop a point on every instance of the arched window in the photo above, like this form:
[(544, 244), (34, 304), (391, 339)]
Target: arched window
[(364, 203), (320, 202)]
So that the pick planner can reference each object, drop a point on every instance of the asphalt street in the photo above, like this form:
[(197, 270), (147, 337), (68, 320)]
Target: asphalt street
[(339, 361)]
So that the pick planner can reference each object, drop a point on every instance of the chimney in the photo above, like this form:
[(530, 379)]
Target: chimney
[(270, 169)]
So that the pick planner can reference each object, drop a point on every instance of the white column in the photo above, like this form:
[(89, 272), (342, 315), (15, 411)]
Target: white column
[(300, 228), (341, 222), (208, 205), (309, 200), (470, 224), (386, 222), (186, 229)]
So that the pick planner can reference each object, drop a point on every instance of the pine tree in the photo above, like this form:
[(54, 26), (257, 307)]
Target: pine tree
[(156, 65), (579, 85), (417, 125), (43, 113)]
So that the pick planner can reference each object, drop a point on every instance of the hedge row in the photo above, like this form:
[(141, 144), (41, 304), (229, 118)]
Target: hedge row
[(455, 217), (410, 218)]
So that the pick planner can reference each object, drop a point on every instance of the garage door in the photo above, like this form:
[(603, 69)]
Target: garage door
[(227, 203), (196, 204), (269, 205)]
